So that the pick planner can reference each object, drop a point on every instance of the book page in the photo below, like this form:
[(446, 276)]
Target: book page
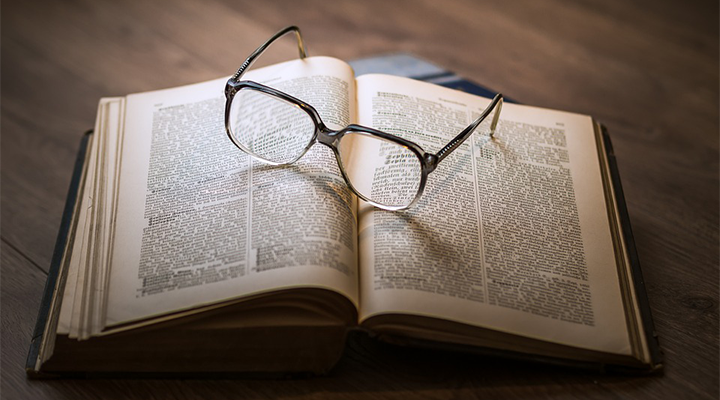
[(86, 264), (200, 222), (511, 233)]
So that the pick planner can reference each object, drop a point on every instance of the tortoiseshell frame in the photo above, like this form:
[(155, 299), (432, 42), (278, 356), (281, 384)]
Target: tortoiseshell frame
[(331, 138)]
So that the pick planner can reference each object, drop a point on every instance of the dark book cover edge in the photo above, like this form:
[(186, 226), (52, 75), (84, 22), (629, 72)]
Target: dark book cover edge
[(638, 280), (57, 257)]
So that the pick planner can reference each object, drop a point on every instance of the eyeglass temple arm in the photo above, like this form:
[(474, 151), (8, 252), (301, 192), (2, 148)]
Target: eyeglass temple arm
[(459, 139), (250, 60)]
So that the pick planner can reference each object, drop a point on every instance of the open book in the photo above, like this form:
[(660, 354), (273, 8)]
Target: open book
[(183, 254)]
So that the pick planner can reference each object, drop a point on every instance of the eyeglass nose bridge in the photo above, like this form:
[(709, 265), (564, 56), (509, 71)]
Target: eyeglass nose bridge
[(327, 136)]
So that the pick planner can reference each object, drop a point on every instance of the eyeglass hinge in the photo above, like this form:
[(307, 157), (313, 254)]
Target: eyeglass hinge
[(229, 89), (431, 160)]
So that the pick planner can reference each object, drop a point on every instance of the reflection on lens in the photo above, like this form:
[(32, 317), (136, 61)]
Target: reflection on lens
[(269, 127), (383, 171)]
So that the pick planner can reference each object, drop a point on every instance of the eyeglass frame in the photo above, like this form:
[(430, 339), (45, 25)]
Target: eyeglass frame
[(331, 138)]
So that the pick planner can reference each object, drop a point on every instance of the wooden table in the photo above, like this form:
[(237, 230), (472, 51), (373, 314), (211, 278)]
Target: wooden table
[(649, 71)]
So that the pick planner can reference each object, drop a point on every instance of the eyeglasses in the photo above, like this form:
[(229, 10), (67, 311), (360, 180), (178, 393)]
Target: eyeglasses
[(276, 128)]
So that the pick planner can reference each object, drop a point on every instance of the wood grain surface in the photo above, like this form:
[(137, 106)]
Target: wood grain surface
[(647, 69)]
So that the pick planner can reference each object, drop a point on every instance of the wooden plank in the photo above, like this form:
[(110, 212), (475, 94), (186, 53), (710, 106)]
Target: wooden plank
[(52, 96), (20, 292)]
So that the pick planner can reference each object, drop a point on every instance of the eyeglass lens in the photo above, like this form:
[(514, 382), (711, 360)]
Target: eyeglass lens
[(268, 127), (381, 170)]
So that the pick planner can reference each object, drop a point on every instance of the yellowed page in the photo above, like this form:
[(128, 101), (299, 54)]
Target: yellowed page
[(86, 274), (198, 222), (511, 234), (90, 214), (74, 271)]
